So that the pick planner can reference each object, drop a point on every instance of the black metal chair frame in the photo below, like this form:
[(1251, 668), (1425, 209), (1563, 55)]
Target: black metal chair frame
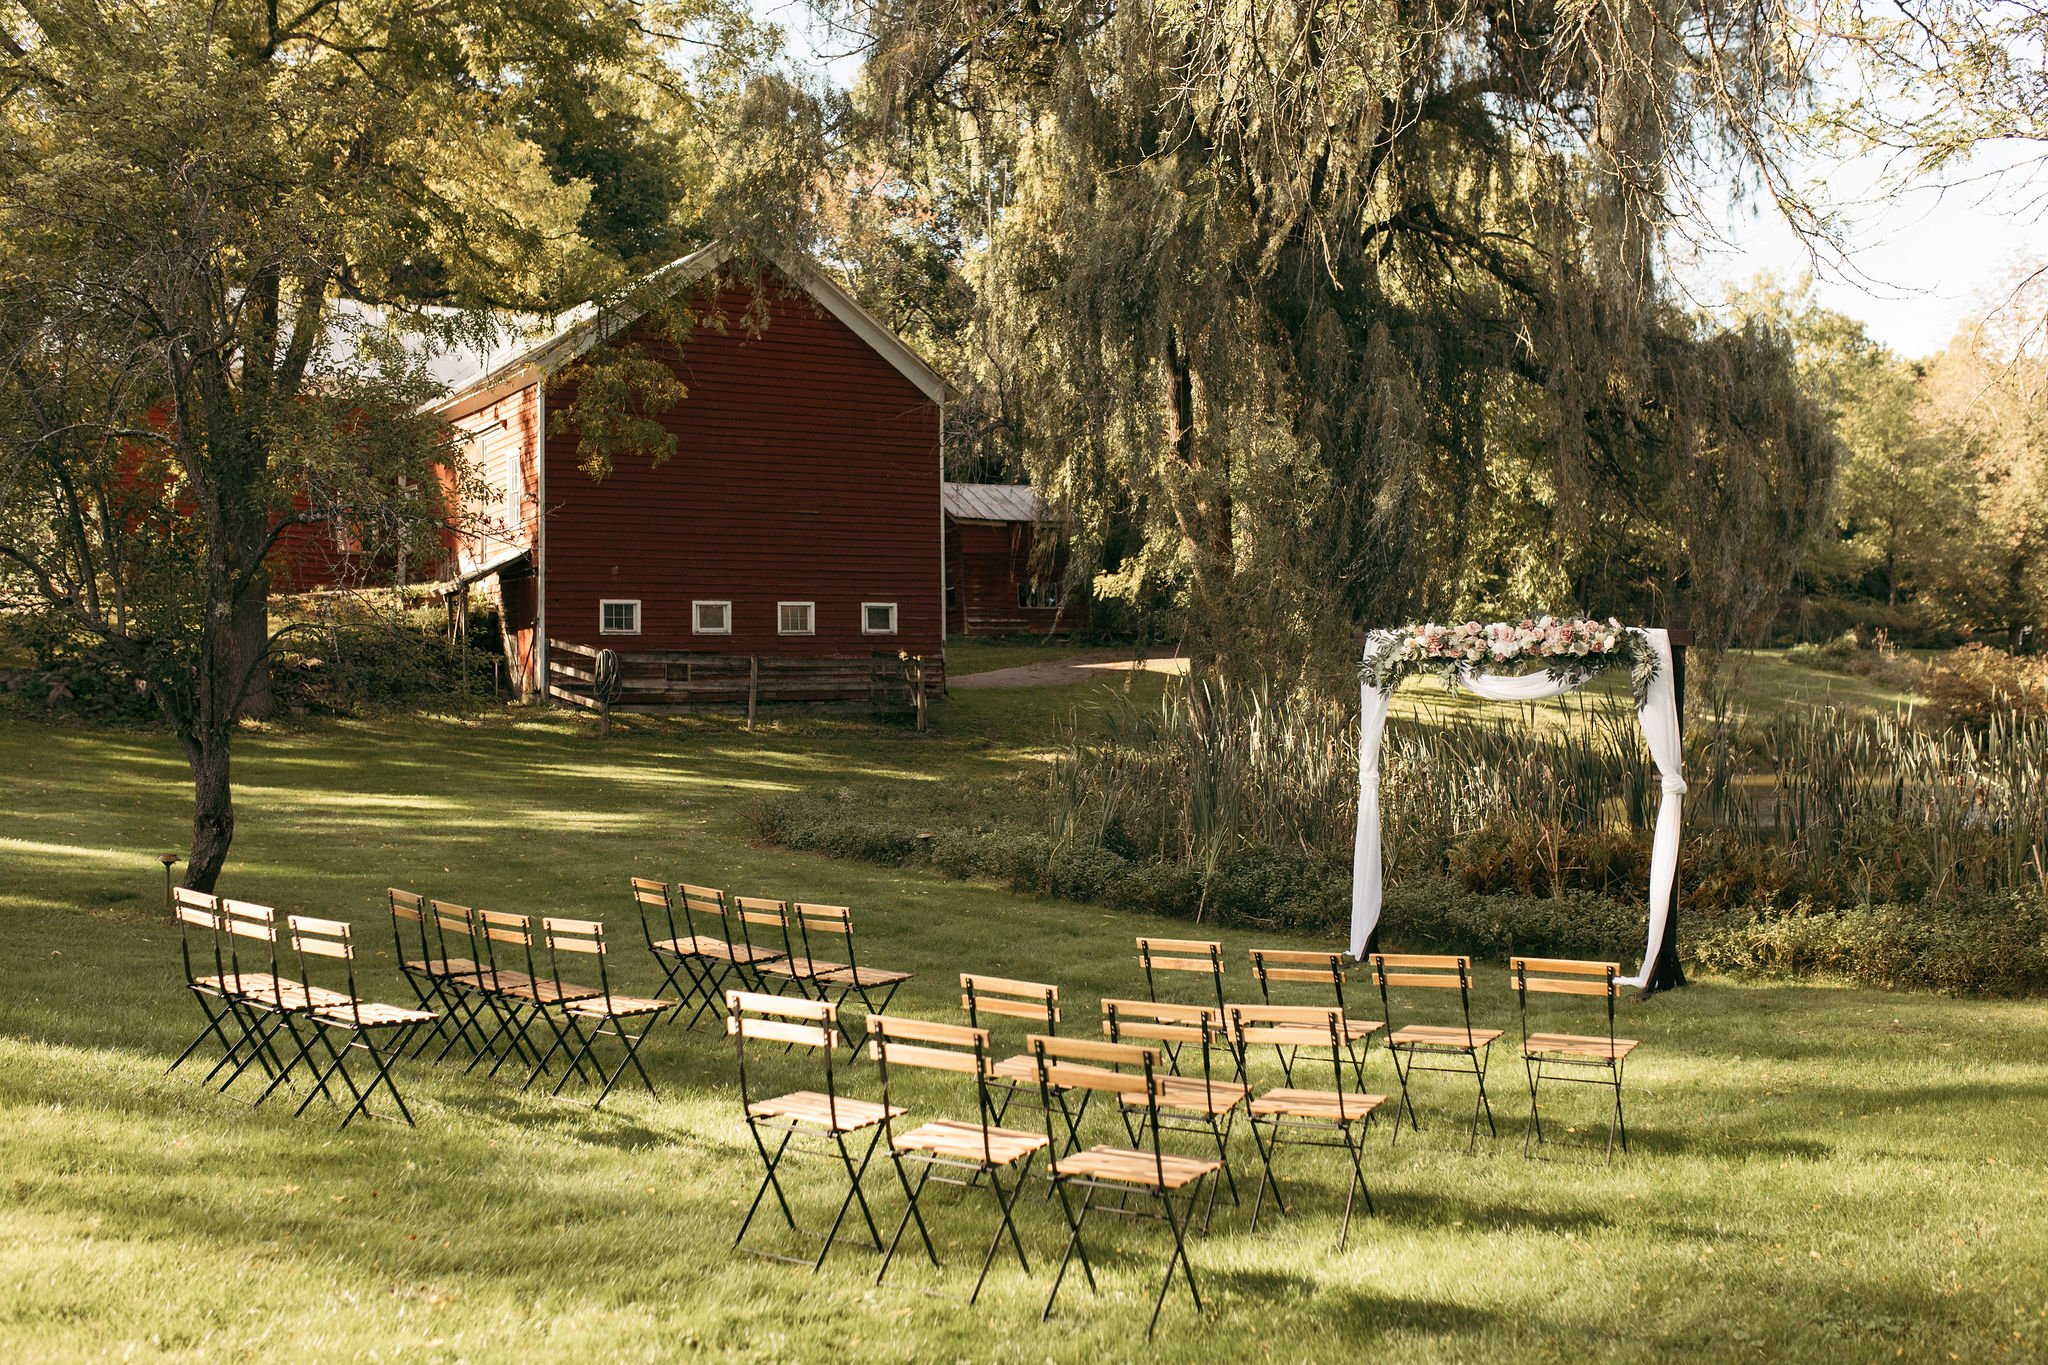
[(1288, 966), (1191, 955), (810, 1024), (950, 1047), (333, 939), (603, 1015), (427, 973), (477, 1018), (1541, 975), (1010, 998), (1435, 972), (1086, 1065), (523, 999), (1291, 1029), (1164, 1030), (217, 996)]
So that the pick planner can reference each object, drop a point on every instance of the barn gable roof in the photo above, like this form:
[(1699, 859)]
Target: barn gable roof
[(545, 346), (993, 502)]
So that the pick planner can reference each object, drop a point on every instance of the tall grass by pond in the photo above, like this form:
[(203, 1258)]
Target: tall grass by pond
[(1836, 808)]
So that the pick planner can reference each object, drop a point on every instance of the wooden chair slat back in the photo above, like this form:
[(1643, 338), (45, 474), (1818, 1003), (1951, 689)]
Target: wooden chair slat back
[(1543, 985), (894, 1041), (407, 904), (1010, 998), (760, 910), (651, 895), (823, 919), (320, 937), (1190, 946), (1564, 966), (573, 935), (773, 1019), (701, 900), (1435, 961), (454, 919)]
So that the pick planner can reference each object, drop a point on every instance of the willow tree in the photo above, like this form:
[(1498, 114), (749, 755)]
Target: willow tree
[(1286, 287), (187, 191)]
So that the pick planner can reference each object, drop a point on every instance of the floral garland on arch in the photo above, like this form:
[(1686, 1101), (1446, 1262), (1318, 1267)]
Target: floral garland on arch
[(1571, 651)]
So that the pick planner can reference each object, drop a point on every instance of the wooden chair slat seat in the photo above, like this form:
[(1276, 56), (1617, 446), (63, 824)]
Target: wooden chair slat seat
[(1316, 1104), (1131, 1167), (1441, 1037), (870, 977), (717, 948), (1577, 1045), (814, 1109), (263, 988), (370, 1014), (969, 1141), (616, 1007), (544, 992), (802, 968), (1191, 1094), (444, 966)]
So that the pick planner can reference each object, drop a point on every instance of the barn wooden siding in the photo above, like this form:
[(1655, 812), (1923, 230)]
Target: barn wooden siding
[(985, 565), (500, 440), (806, 469)]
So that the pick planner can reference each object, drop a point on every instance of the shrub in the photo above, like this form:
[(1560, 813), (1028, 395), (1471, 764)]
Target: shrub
[(1989, 945), (1977, 686)]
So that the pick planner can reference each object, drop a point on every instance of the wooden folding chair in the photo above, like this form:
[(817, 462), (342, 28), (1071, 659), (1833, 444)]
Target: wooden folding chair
[(1196, 956), (425, 964), (790, 970), (1471, 1048), (474, 1017), (1305, 1117), (977, 1149), (1194, 1103), (585, 1019), (1002, 997), (1077, 1064), (360, 1023), (815, 1120), (836, 982), (262, 1002), (1568, 1056), (710, 961), (1321, 974), (199, 919)]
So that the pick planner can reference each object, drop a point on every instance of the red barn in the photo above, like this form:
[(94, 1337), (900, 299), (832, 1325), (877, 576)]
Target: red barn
[(791, 547), (998, 578)]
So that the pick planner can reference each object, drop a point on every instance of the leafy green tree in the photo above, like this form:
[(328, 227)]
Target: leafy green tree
[(1288, 301), (187, 193)]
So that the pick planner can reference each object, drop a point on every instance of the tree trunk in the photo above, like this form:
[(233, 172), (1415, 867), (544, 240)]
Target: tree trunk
[(213, 810), (252, 649)]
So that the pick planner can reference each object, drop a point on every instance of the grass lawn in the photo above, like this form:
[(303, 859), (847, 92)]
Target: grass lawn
[(1817, 1173)]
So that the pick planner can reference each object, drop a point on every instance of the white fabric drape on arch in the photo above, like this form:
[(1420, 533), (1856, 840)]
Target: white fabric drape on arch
[(1658, 714)]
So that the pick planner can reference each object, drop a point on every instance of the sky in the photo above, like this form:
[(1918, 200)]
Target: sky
[(1917, 267)]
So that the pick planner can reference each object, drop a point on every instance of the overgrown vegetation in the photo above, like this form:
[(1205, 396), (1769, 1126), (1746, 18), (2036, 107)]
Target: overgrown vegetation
[(1818, 840)]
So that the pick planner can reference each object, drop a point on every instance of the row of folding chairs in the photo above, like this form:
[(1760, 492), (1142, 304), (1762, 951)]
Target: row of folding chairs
[(287, 1028), (1132, 1069), (707, 941), (1446, 1042), (504, 992)]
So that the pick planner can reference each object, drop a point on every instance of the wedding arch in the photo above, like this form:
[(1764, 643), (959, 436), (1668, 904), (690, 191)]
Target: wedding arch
[(1487, 660)]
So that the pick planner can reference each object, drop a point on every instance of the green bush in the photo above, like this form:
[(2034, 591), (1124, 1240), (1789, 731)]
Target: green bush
[(1986, 945), (1977, 686)]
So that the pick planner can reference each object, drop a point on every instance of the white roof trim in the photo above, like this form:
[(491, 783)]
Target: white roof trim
[(583, 327)]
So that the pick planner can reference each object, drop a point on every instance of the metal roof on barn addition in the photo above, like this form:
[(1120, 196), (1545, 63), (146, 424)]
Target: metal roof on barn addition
[(993, 502)]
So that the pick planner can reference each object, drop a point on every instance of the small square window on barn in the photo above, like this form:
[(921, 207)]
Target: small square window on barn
[(711, 618), (618, 617), (878, 618), (796, 618)]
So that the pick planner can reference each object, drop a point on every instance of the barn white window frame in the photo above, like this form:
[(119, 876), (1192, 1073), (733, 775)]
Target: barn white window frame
[(605, 602), (867, 607), (697, 626), (810, 625)]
